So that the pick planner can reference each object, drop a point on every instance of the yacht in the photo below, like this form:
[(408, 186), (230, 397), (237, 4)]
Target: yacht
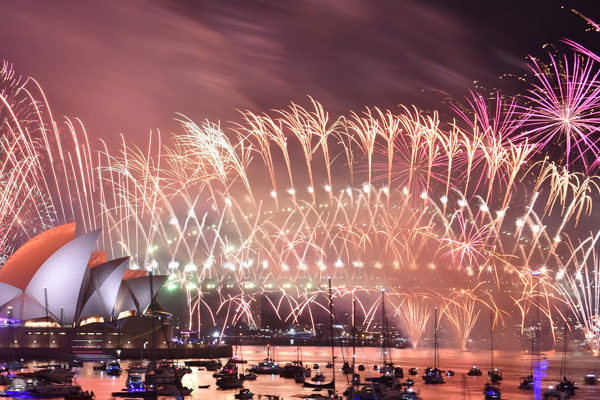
[(175, 391), (290, 370), (267, 366), (100, 367), (230, 382), (495, 375), (135, 383), (136, 369), (566, 386), (378, 392), (590, 379), (553, 394), (526, 383), (346, 368), (114, 369), (319, 377), (434, 376), (27, 387), (491, 392), (244, 394), (231, 379), (474, 371)]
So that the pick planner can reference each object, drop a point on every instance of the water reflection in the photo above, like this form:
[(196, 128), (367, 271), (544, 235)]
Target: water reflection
[(514, 365)]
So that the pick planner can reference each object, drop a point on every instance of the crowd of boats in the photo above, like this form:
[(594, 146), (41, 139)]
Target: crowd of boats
[(44, 381)]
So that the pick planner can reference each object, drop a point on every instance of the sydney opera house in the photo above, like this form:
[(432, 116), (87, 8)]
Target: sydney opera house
[(59, 295), (57, 278)]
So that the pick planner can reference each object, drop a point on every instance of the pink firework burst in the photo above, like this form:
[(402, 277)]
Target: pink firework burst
[(565, 108)]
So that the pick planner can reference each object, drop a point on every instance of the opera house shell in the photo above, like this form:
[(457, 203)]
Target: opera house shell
[(58, 276)]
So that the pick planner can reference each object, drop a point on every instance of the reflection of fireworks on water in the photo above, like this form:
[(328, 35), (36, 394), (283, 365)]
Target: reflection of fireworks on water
[(381, 198)]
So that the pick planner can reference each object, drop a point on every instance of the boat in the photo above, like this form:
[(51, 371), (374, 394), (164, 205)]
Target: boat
[(81, 396), (409, 394), (552, 394), (249, 376), (55, 372), (590, 379), (565, 385), (381, 392), (319, 377), (203, 386), (52, 375), (495, 375), (412, 371), (320, 386), (114, 369), (526, 383), (267, 366), (449, 373), (474, 371), (299, 377), (361, 367), (329, 365), (174, 391), (76, 364), (244, 394), (148, 394), (210, 365), (136, 369), (230, 382), (100, 367), (230, 379), (290, 370), (135, 383), (346, 368), (316, 366), (21, 386), (491, 392), (434, 376)]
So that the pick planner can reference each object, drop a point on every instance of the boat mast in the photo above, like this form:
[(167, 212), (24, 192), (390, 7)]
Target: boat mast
[(353, 334), (492, 338), (383, 330), (563, 361), (353, 346), (152, 320), (331, 333), (435, 327)]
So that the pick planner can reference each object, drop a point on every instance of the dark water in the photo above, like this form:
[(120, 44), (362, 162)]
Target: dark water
[(513, 365)]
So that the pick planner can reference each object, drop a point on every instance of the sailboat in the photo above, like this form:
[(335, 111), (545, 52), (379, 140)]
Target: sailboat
[(434, 376), (389, 373), (490, 390), (565, 385), (355, 381), (295, 368), (330, 386), (527, 381), (494, 374), (237, 358), (267, 366)]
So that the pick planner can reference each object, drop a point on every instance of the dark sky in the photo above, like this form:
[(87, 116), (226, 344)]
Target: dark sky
[(129, 66)]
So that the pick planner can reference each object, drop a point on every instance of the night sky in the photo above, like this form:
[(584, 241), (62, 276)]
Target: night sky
[(129, 66)]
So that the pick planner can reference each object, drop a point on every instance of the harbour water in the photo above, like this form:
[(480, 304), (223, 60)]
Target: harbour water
[(513, 365)]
